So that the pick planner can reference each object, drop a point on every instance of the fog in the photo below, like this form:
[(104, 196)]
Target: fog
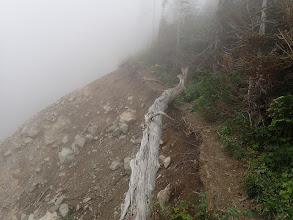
[(51, 47)]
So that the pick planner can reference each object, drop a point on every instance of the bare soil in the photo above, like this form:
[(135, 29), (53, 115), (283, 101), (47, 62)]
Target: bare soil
[(31, 175)]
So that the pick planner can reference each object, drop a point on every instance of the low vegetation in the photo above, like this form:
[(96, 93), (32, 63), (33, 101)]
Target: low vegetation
[(241, 76)]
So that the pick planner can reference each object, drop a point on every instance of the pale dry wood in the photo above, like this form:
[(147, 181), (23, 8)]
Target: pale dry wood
[(145, 166)]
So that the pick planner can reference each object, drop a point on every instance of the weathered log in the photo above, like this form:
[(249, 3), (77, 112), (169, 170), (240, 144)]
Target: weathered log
[(145, 166)]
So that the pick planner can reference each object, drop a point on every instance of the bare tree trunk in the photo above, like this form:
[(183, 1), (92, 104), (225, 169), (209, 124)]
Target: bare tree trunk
[(145, 166), (262, 29)]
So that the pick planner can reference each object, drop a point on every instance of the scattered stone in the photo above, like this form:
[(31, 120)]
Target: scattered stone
[(128, 116), (47, 159), (98, 112), (14, 218), (93, 129), (49, 216), (23, 216), (8, 153), (28, 140), (161, 142), (65, 139), (127, 167), (115, 165), (116, 132), (38, 170), (89, 137), (167, 162), (142, 105), (79, 141), (60, 200), (135, 140), (71, 99), (64, 210), (164, 195), (31, 132), (77, 207), (86, 200), (123, 127), (107, 108), (65, 155), (50, 139), (75, 149), (31, 217), (162, 158), (129, 98)]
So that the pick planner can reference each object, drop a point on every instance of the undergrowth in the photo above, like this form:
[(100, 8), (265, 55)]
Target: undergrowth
[(193, 209)]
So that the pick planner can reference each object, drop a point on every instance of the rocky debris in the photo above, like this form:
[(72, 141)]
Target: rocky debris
[(14, 218), (164, 195), (38, 170), (49, 216), (65, 155), (115, 165), (60, 200), (8, 153), (71, 99), (64, 210), (128, 116), (123, 126), (31, 217), (116, 132), (28, 140), (93, 129), (79, 141), (86, 200), (161, 142), (50, 139), (135, 140), (107, 108), (23, 216), (65, 139), (89, 137), (129, 98), (127, 167), (31, 132), (165, 160)]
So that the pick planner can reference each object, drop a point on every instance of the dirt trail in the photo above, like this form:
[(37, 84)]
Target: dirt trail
[(88, 123)]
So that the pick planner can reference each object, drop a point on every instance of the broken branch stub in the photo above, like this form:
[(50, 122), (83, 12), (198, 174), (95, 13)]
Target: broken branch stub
[(145, 166)]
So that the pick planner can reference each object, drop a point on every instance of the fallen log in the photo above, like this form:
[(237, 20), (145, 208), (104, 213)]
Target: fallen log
[(145, 166)]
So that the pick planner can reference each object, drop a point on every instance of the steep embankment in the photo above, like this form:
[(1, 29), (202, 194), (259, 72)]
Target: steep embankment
[(72, 158)]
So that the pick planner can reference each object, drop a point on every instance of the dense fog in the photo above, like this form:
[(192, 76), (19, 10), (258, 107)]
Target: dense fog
[(52, 47), (49, 48)]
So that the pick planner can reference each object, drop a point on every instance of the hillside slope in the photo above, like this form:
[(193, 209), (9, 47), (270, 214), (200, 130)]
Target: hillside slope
[(71, 159)]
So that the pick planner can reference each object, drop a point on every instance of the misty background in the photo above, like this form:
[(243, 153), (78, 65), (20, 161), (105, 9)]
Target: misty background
[(49, 48)]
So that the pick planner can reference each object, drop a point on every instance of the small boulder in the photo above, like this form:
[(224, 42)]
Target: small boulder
[(123, 127), (93, 129), (80, 141), (116, 132), (127, 167), (167, 162), (28, 140), (115, 165), (164, 195), (64, 210), (65, 155)]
